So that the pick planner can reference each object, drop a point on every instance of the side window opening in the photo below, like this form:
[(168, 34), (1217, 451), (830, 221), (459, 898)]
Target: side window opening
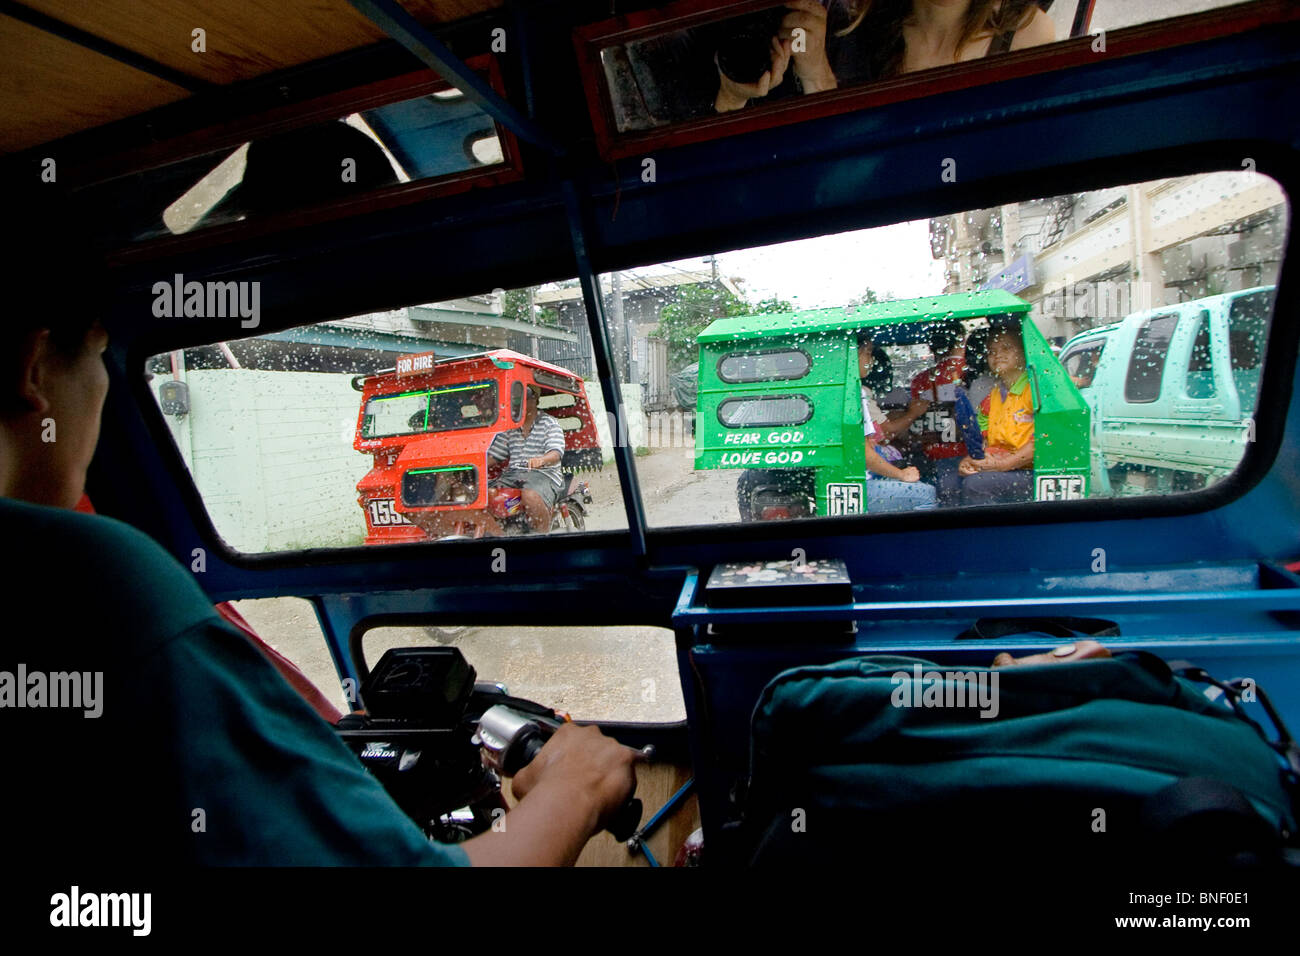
[(1146, 368), (762, 412), (1081, 363), (516, 401), (767, 366)]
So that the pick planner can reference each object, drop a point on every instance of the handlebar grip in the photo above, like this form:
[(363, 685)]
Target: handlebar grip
[(626, 820)]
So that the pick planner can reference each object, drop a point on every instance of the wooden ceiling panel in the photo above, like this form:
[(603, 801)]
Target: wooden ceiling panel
[(50, 88), (245, 38), (448, 11)]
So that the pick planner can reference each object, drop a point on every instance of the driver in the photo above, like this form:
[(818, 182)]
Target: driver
[(534, 451), (227, 763)]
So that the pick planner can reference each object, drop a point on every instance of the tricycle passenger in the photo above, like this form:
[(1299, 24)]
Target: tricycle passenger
[(889, 488), (976, 383), (934, 393), (1006, 472), (533, 452)]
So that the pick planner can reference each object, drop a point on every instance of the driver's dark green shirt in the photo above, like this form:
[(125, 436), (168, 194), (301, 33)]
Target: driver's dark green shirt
[(202, 752)]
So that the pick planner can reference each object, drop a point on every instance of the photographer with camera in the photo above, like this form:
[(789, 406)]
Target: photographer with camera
[(749, 67)]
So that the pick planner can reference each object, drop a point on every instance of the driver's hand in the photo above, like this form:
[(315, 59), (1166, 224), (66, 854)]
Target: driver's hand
[(584, 762), (536, 463), (1067, 653)]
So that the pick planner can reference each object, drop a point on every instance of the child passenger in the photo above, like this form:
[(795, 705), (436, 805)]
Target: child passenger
[(889, 488)]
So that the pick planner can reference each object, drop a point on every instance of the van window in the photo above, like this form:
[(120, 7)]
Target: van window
[(1081, 362), (1146, 367)]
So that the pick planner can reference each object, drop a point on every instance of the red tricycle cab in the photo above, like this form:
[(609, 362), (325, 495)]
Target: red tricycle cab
[(428, 424)]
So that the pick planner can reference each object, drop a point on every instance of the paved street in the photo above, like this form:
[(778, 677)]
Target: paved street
[(614, 673)]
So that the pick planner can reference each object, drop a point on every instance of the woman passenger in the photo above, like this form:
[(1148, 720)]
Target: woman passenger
[(861, 41)]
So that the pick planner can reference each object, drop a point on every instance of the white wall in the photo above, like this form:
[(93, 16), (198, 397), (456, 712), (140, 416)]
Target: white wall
[(271, 454), (634, 427)]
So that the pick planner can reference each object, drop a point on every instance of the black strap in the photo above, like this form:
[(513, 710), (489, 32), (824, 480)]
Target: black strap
[(992, 628), (1203, 817), (1285, 744), (1001, 43)]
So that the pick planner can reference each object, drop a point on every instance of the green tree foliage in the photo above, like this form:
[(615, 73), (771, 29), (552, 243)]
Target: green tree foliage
[(693, 307), (514, 305), (773, 305)]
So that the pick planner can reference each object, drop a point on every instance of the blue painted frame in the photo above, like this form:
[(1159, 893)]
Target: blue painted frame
[(1187, 109)]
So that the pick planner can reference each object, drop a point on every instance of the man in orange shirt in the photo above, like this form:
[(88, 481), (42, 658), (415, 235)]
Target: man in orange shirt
[(1006, 473)]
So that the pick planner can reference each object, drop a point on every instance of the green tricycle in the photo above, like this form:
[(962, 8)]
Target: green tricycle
[(780, 400)]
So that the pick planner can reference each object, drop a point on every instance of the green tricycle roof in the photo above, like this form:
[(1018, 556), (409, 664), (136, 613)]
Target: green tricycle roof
[(961, 305)]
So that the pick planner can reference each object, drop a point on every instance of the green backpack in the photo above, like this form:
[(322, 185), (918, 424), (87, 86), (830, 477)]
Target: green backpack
[(1110, 759)]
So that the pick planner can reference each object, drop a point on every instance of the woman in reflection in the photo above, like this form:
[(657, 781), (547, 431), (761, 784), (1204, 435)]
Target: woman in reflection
[(903, 36), (859, 41)]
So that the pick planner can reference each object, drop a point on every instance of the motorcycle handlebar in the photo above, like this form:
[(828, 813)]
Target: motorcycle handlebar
[(511, 739)]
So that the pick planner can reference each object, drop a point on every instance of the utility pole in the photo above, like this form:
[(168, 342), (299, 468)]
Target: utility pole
[(619, 327)]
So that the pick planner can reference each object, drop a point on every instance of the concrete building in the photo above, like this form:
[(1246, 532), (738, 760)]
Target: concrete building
[(1087, 259)]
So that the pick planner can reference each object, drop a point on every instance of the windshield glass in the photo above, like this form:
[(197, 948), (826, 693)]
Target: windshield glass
[(401, 426), (1084, 346), (469, 405)]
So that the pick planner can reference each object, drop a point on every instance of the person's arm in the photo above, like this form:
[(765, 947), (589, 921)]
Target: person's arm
[(811, 64), (878, 466), (891, 427), (1022, 457), (569, 791), (500, 448), (546, 461)]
